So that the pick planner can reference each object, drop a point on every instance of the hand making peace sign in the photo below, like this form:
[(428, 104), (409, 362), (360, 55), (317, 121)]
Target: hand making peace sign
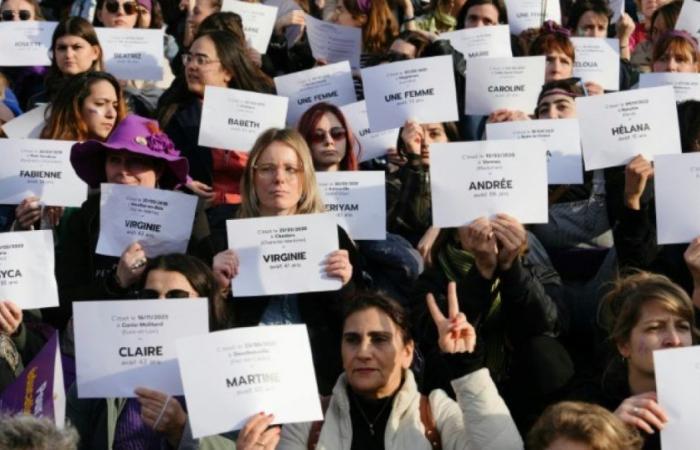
[(455, 334)]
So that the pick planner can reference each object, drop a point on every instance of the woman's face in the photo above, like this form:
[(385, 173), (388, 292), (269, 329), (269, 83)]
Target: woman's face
[(278, 176), (432, 133), (328, 143), (481, 16), (118, 13), (672, 61), (74, 54), (658, 28), (649, 6), (342, 16), (374, 354), (592, 24), (201, 10), (656, 329), (130, 169), (557, 106), (167, 284), (18, 9), (558, 66), (204, 67), (99, 109)]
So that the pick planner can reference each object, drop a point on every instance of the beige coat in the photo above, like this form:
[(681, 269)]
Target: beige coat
[(479, 420)]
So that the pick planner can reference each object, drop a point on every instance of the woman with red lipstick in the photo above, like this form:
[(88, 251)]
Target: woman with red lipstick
[(376, 403)]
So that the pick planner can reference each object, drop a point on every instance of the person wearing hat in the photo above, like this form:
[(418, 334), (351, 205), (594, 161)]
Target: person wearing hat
[(136, 153)]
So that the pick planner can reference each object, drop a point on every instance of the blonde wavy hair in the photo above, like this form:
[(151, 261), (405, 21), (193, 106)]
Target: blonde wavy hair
[(310, 200)]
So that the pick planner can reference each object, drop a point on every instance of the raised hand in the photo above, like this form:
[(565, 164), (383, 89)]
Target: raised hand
[(455, 334)]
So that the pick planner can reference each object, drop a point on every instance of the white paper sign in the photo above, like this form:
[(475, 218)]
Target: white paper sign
[(372, 145), (41, 168), (496, 83), (334, 43), (258, 22), (421, 89), (685, 85), (233, 119), (283, 254), (481, 42), (27, 125), (27, 269), (136, 344), (526, 14), (161, 221), (618, 8), (25, 43), (598, 60), (676, 184), (358, 201), (483, 178), (617, 127), (232, 375), (677, 374), (562, 137), (689, 18), (331, 83), (132, 53)]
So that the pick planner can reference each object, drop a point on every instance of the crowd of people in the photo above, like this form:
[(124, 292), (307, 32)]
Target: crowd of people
[(492, 335)]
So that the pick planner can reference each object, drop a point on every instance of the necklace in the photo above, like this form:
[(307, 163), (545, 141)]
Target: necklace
[(370, 424)]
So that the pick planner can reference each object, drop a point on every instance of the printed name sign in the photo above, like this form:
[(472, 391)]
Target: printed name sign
[(233, 119), (685, 85), (421, 89), (231, 375), (562, 137), (676, 184), (27, 269), (161, 221), (481, 42), (496, 83), (526, 14), (27, 125), (258, 22), (598, 60), (25, 43), (371, 145), (358, 201), (132, 53), (677, 374), (617, 127), (41, 168), (136, 345), (334, 43), (689, 18), (283, 254), (474, 179), (38, 390), (331, 83)]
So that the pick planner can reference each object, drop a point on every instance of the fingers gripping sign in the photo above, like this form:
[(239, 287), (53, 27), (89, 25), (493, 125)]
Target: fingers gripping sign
[(455, 334)]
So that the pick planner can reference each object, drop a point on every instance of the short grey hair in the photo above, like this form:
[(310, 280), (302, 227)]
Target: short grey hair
[(25, 432)]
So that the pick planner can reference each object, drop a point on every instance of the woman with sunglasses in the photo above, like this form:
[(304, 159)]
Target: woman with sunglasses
[(216, 58), (279, 180), (152, 419)]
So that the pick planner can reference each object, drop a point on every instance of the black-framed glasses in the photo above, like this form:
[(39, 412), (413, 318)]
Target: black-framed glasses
[(319, 136), (150, 294), (130, 8), (9, 14)]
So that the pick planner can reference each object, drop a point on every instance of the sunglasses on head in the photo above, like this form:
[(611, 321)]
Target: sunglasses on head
[(150, 294), (319, 136), (130, 8), (8, 15)]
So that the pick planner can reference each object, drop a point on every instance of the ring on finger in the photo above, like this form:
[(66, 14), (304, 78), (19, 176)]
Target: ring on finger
[(635, 411), (138, 264)]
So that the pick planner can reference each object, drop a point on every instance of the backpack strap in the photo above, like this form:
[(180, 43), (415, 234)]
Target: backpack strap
[(426, 417), (315, 431)]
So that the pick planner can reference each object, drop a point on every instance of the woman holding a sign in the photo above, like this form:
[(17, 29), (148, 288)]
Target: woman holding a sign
[(279, 180), (376, 402)]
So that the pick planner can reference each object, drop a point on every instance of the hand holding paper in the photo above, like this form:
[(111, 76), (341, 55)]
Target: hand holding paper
[(162, 413), (131, 265), (10, 317), (637, 172), (511, 237), (643, 412), (478, 238), (692, 260), (225, 267)]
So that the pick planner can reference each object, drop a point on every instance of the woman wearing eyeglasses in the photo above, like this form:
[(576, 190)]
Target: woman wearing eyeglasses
[(152, 419), (216, 58)]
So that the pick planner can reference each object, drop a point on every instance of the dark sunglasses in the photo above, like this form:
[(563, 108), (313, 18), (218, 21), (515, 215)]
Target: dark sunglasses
[(130, 8), (150, 294), (9, 15), (319, 136)]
